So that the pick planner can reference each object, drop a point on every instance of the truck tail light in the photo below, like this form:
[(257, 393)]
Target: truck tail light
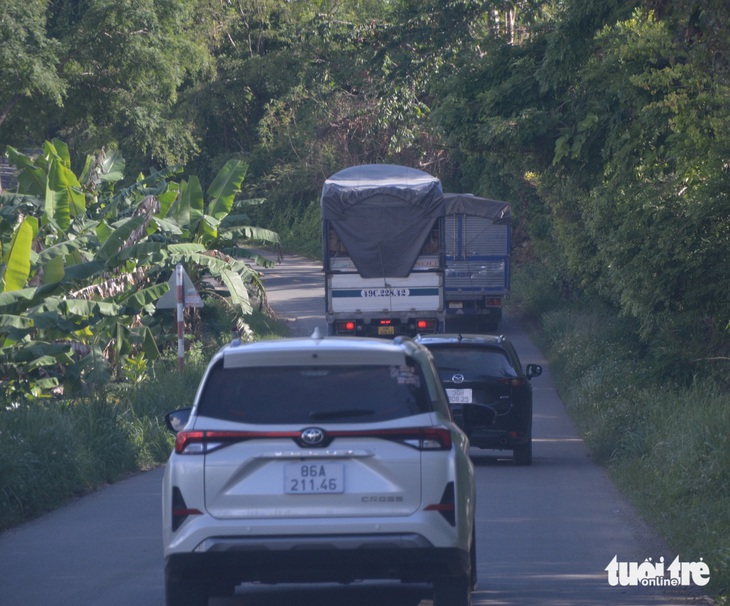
[(496, 302), (427, 325), (345, 327)]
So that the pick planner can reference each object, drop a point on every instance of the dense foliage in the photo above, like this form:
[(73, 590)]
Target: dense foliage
[(61, 448), (604, 123), (84, 265), (609, 128)]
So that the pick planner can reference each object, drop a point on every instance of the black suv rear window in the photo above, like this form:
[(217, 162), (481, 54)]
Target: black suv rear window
[(313, 394), (473, 361)]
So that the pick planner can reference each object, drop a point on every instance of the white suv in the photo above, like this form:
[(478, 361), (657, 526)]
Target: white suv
[(318, 460)]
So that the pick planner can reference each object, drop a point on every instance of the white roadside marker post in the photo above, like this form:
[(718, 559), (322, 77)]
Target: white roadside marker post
[(180, 319), (182, 294)]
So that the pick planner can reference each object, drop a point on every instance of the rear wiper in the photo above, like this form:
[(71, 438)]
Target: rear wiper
[(336, 414)]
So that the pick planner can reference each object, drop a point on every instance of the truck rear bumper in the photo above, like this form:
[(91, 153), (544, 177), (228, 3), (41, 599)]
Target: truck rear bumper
[(386, 326), (489, 313)]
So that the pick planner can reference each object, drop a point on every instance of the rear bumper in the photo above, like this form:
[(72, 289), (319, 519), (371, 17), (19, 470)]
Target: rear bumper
[(386, 326), (490, 313), (499, 439), (337, 558)]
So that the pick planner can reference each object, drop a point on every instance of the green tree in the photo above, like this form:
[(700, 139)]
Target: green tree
[(656, 216), (606, 126), (103, 72), (29, 59)]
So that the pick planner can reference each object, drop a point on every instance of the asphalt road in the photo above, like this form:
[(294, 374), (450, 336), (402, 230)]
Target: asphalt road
[(545, 533)]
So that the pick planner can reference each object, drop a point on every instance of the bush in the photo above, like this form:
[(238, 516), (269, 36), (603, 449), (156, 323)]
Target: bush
[(679, 472), (665, 443), (54, 450), (533, 291)]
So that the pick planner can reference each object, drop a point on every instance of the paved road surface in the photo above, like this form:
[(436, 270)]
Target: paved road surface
[(545, 533)]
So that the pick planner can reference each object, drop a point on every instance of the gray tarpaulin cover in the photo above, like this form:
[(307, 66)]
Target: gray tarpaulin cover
[(468, 204), (383, 214)]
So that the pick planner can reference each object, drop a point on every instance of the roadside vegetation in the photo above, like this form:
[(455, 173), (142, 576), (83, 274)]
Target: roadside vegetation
[(86, 357), (57, 449), (662, 432)]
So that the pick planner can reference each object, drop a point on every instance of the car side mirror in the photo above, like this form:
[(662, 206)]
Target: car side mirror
[(177, 419), (533, 370)]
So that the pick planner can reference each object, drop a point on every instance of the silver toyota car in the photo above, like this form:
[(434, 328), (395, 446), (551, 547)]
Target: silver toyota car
[(319, 460)]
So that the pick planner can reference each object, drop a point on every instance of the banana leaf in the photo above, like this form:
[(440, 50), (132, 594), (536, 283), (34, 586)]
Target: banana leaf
[(224, 188), (237, 290), (17, 261), (118, 238)]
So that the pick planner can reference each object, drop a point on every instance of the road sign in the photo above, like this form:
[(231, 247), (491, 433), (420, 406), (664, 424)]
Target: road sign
[(191, 297)]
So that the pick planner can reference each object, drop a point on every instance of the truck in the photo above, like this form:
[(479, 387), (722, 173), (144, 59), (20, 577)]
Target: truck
[(382, 228), (476, 248)]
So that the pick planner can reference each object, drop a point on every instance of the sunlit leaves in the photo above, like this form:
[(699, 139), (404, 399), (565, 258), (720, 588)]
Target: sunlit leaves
[(17, 260), (103, 262), (224, 188), (619, 116)]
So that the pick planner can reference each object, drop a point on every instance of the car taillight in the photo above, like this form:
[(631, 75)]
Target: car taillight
[(446, 506), (203, 442), (494, 302), (421, 438), (190, 442), (512, 381)]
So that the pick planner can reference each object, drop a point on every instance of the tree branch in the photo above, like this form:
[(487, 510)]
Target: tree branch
[(9, 107)]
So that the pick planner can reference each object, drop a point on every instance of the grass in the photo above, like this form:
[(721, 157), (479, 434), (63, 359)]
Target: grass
[(54, 450), (664, 440)]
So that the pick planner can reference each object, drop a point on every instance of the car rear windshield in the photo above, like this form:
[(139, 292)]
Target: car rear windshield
[(473, 361), (313, 394)]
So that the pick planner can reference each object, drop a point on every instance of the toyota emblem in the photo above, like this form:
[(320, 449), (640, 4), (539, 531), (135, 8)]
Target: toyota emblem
[(312, 436), (458, 378)]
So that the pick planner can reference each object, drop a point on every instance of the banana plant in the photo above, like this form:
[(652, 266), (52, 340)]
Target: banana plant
[(49, 177), (83, 265), (214, 234)]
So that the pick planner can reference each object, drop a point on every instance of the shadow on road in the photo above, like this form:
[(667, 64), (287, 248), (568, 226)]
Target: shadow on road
[(366, 594)]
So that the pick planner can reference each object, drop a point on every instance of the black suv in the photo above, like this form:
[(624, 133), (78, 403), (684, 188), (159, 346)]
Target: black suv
[(485, 369)]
